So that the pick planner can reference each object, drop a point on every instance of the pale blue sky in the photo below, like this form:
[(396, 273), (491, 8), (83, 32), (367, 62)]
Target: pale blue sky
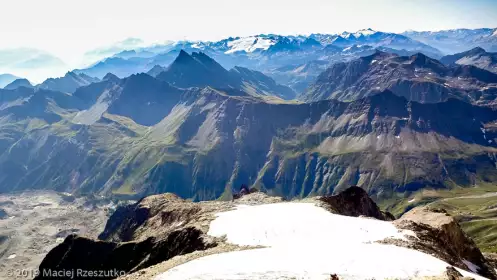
[(68, 28)]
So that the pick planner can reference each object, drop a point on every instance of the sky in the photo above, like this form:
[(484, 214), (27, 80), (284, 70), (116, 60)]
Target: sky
[(69, 28)]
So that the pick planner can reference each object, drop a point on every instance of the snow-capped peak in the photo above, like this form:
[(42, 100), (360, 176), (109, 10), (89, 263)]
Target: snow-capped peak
[(365, 32), (495, 33), (250, 44), (362, 32)]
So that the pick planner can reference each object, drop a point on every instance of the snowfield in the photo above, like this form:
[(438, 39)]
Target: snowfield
[(304, 241), (249, 44)]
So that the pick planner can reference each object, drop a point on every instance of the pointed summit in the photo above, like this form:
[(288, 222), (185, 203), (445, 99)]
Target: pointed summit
[(110, 77), (183, 57), (476, 51), (196, 70)]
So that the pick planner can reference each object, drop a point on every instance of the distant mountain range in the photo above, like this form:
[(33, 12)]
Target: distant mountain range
[(265, 53), (477, 57), (457, 40), (68, 83), (417, 78)]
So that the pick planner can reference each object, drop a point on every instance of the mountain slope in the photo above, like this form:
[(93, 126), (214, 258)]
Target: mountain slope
[(477, 57), (259, 84), (418, 78)]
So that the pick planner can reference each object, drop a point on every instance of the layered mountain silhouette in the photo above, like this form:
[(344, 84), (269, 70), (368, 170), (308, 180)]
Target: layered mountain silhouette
[(6, 79), (19, 83), (417, 78), (263, 52), (68, 83), (457, 40)]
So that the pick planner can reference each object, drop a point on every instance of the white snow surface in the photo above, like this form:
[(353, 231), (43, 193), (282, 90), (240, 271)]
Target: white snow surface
[(364, 32), (249, 44), (304, 241)]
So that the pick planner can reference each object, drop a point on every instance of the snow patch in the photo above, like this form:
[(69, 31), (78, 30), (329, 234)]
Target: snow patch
[(13, 256), (412, 200), (304, 241), (284, 223)]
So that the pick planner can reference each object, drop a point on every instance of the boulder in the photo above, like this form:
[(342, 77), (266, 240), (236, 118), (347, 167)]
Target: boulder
[(439, 234), (354, 202)]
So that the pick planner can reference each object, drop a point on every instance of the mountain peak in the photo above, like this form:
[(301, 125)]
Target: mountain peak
[(477, 50), (183, 57), (156, 70), (19, 83), (110, 77)]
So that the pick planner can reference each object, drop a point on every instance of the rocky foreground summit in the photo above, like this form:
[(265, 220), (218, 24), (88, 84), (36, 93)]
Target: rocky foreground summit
[(261, 237)]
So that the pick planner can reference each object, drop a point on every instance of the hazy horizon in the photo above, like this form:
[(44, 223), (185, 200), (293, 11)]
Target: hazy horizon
[(69, 30)]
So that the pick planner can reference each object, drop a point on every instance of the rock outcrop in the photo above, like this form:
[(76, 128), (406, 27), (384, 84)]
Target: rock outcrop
[(143, 234), (438, 234), (355, 202), (117, 259)]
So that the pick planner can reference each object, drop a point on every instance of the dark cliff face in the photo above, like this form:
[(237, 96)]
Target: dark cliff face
[(78, 253), (417, 78), (137, 236), (355, 202)]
